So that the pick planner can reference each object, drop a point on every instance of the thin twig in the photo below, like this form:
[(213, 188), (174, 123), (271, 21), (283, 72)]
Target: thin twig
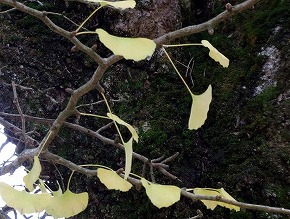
[(16, 102), (170, 158), (7, 11), (65, 17)]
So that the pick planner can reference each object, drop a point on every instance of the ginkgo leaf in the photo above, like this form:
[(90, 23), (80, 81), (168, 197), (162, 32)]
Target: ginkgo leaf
[(215, 54), (161, 195), (208, 192), (112, 180), (118, 4), (122, 122), (128, 156), (199, 109), (23, 201), (130, 48), (67, 204), (226, 195), (216, 192), (33, 175)]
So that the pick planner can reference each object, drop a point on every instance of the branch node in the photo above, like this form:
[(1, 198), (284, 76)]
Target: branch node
[(229, 7), (74, 49), (100, 88), (94, 47), (73, 34), (210, 31), (218, 197), (44, 13)]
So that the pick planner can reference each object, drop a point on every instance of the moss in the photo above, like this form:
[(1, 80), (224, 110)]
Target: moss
[(259, 25)]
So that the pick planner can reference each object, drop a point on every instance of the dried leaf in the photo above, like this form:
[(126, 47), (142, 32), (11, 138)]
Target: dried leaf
[(161, 195), (215, 54), (23, 201), (122, 122), (33, 175), (199, 109), (67, 204), (112, 180), (130, 48), (215, 192)]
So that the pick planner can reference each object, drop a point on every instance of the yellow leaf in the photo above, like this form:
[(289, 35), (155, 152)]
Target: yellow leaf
[(216, 192), (22, 201), (122, 122), (199, 109), (67, 204), (33, 175), (121, 4), (112, 180), (128, 155), (161, 195), (208, 192), (118, 4), (226, 195), (41, 186), (215, 54), (130, 48)]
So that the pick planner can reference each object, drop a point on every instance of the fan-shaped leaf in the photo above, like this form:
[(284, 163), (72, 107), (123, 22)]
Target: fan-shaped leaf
[(215, 192), (130, 48), (215, 54), (67, 204), (112, 180), (122, 122), (208, 192), (22, 201), (129, 155), (117, 4), (226, 195), (161, 195), (199, 109), (33, 175)]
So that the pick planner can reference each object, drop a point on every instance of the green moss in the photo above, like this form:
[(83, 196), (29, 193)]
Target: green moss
[(260, 24), (263, 99)]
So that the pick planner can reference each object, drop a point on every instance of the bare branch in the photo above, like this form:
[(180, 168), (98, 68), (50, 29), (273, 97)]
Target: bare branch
[(57, 159), (160, 166), (31, 142), (16, 102), (186, 31), (243, 205)]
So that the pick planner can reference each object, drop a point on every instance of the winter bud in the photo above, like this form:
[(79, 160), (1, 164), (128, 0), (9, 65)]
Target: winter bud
[(210, 31), (94, 47), (74, 49), (229, 7), (69, 90), (73, 33)]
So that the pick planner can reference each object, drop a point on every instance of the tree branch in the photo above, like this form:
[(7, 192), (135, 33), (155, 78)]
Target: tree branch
[(28, 153), (186, 31)]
